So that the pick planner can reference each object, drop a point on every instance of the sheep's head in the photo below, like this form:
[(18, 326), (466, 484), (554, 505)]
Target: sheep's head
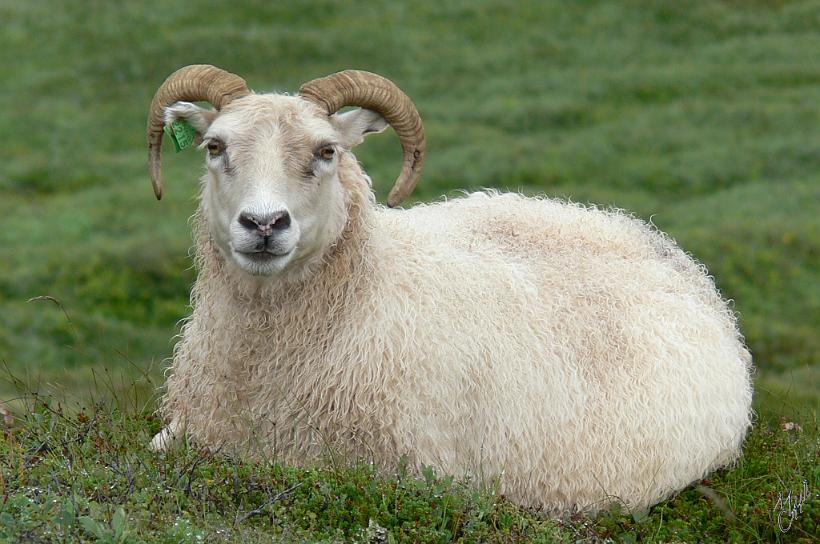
[(272, 194)]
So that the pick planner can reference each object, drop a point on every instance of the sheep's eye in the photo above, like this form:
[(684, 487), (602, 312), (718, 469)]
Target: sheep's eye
[(215, 148), (326, 152)]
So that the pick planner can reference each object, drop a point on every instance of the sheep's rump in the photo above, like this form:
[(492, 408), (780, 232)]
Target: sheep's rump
[(576, 352)]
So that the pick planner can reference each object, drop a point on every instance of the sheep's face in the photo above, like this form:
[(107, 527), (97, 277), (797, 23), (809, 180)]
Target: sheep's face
[(272, 195)]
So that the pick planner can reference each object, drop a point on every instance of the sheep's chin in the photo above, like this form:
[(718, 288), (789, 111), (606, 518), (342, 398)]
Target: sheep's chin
[(261, 265)]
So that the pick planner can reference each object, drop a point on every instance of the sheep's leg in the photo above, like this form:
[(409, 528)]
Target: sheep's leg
[(167, 436)]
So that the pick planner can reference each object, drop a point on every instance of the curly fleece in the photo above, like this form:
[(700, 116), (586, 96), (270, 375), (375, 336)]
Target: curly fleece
[(575, 353)]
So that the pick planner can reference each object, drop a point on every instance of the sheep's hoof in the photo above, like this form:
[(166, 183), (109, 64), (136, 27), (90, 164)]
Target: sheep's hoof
[(163, 440)]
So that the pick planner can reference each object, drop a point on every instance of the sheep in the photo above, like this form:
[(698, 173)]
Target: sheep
[(575, 354)]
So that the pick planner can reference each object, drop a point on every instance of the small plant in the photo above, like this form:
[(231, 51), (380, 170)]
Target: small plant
[(111, 533)]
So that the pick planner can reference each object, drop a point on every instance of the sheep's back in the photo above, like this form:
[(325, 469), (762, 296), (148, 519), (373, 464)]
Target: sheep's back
[(575, 349)]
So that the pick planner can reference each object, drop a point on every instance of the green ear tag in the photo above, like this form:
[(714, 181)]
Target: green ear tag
[(181, 133)]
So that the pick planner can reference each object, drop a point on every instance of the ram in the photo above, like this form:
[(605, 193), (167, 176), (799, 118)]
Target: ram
[(575, 353)]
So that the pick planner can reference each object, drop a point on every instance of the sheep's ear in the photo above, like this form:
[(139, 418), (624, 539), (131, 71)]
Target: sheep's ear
[(354, 125), (197, 117)]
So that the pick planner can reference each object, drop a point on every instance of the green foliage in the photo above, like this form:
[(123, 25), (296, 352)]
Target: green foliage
[(701, 116), (89, 475)]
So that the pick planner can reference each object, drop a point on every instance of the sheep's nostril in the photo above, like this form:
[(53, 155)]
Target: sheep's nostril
[(265, 223), (248, 221), (282, 222)]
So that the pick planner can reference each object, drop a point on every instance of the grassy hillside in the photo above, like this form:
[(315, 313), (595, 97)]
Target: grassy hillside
[(702, 116)]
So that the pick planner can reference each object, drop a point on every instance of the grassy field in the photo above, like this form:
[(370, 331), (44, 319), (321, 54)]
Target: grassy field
[(702, 116)]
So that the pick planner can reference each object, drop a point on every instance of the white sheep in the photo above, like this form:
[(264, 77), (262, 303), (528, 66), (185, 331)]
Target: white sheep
[(575, 353)]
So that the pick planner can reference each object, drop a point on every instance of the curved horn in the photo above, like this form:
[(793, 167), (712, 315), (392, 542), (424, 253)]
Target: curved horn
[(374, 92), (193, 83)]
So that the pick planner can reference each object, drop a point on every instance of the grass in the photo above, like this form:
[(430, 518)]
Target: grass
[(699, 115), (88, 475)]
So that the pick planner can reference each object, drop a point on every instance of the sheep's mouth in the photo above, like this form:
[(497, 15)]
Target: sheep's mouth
[(262, 263), (262, 256)]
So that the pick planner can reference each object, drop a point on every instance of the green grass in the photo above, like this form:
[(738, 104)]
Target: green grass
[(702, 116), (73, 474), (66, 476)]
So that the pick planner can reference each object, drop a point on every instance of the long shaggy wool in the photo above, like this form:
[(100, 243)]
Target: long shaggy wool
[(577, 353)]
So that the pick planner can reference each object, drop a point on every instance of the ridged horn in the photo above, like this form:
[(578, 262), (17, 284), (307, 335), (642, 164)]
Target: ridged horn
[(374, 92), (192, 83)]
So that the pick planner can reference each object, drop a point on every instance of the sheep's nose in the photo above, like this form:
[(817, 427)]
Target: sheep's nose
[(265, 223)]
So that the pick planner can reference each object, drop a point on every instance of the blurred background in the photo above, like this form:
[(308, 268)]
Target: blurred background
[(701, 116)]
